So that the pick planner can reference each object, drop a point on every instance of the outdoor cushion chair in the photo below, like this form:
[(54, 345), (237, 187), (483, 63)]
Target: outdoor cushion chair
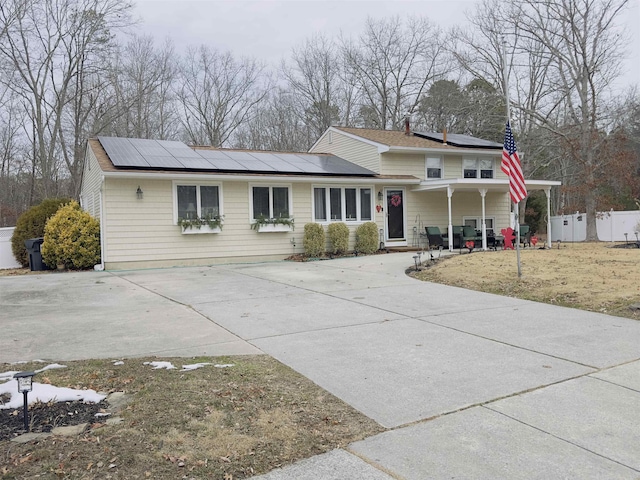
[(435, 237), (469, 234), (525, 235)]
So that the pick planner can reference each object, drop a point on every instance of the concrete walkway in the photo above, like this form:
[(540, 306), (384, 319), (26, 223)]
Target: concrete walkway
[(470, 385)]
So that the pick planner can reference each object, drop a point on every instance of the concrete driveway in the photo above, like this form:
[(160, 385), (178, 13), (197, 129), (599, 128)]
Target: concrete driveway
[(470, 385)]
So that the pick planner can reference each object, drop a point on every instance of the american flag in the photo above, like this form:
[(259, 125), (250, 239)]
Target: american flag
[(511, 167)]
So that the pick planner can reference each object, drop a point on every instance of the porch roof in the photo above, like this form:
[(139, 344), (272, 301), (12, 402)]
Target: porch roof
[(488, 184)]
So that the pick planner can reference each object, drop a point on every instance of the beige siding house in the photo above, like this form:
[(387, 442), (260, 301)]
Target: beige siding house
[(164, 203), (461, 182), (140, 200)]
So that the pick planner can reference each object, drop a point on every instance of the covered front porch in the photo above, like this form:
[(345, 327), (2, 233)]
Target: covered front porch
[(483, 187)]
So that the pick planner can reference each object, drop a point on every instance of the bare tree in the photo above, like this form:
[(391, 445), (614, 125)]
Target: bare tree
[(583, 47), (140, 81), (314, 78), (276, 126), (46, 48), (393, 65), (217, 94)]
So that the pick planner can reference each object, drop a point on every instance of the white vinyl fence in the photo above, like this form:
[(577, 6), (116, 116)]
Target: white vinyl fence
[(611, 226), (6, 255)]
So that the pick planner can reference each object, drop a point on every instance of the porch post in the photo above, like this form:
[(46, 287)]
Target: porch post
[(547, 192), (483, 194), (450, 227)]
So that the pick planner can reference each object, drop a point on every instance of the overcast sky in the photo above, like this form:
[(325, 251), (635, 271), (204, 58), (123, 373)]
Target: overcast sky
[(269, 29)]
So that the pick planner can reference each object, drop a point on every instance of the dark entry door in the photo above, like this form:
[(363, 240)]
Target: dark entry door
[(395, 214)]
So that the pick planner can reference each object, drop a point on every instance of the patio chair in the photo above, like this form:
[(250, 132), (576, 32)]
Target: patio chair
[(469, 234), (525, 235), (435, 237)]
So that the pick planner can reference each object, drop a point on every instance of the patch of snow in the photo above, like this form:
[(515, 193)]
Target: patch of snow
[(5, 376), (193, 366), (117, 362), (157, 365), (224, 365), (47, 393), (100, 414), (52, 366)]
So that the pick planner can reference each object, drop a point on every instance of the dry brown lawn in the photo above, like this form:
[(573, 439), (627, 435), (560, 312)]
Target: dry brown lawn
[(590, 276), (220, 423)]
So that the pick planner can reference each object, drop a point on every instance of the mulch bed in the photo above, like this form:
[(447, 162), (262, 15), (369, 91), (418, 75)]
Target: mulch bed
[(43, 417)]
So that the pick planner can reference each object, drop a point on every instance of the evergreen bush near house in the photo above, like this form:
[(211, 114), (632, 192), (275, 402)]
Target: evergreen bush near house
[(71, 238), (338, 234), (367, 238), (31, 225), (314, 239)]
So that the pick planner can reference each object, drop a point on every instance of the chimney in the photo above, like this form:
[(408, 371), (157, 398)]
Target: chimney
[(444, 136), (407, 125)]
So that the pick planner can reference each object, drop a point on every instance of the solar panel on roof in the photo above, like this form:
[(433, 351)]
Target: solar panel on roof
[(460, 140), (196, 163), (164, 154), (122, 153), (165, 162), (178, 149)]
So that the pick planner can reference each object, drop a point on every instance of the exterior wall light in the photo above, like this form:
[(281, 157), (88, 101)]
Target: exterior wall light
[(380, 196), (139, 193), (25, 385)]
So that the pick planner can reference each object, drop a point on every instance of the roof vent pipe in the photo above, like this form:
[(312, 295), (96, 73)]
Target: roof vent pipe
[(444, 136), (407, 125)]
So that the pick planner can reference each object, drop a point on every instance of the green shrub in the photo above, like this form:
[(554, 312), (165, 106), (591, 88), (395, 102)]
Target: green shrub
[(338, 234), (314, 239), (71, 238), (367, 239), (31, 225)]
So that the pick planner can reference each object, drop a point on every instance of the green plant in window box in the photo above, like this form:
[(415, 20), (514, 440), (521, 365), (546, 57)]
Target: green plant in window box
[(212, 221), (262, 221)]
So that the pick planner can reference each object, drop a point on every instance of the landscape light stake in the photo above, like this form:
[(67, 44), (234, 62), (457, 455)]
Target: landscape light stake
[(25, 385)]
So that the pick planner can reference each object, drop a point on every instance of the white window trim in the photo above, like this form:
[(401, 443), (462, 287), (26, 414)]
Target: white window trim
[(426, 167), (479, 221), (270, 186), (477, 162), (343, 204), (174, 189)]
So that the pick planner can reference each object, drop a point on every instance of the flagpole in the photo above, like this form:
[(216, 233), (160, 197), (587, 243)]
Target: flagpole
[(514, 205)]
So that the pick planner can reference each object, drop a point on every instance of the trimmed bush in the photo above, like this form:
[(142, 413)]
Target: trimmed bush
[(367, 239), (338, 234), (31, 225), (314, 239), (71, 238)]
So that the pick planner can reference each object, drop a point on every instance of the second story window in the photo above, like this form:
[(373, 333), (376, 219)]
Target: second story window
[(434, 167), (477, 168)]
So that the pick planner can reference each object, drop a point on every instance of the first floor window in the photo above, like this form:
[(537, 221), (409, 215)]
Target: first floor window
[(198, 201), (476, 222), (336, 204), (270, 202)]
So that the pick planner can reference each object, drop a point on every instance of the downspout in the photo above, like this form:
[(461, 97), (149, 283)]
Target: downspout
[(100, 267)]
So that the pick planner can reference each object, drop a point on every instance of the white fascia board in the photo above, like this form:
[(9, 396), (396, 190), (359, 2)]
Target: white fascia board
[(494, 184), (446, 151), (261, 178)]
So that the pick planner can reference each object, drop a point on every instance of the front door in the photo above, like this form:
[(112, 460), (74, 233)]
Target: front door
[(395, 214)]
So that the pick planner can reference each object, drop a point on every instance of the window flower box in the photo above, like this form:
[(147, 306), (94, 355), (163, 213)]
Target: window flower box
[(202, 229), (208, 224), (275, 227), (263, 224)]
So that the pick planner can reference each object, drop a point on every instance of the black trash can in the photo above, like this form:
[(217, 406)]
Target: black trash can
[(35, 256)]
